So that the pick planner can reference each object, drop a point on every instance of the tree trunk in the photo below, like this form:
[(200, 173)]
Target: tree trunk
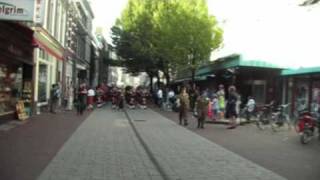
[(193, 74), (167, 75), (158, 80), (151, 83)]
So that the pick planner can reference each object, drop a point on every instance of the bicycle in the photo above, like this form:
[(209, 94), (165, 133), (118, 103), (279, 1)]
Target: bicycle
[(264, 116), (246, 116), (280, 119)]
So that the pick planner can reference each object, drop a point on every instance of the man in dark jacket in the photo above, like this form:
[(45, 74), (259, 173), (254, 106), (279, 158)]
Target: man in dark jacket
[(54, 97)]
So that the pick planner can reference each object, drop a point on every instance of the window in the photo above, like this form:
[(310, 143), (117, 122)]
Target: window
[(43, 83), (57, 24), (315, 102), (43, 54), (50, 15)]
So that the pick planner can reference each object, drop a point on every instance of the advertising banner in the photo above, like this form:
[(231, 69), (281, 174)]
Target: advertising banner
[(17, 10)]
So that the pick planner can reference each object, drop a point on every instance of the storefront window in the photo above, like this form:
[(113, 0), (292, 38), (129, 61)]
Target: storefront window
[(315, 102), (259, 91), (10, 87), (43, 83)]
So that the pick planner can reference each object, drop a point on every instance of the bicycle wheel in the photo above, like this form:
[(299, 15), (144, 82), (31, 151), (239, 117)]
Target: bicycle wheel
[(306, 137), (242, 118), (262, 122), (287, 122), (275, 123)]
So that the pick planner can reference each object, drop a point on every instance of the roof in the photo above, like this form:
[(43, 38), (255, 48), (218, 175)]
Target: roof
[(300, 71), (234, 61)]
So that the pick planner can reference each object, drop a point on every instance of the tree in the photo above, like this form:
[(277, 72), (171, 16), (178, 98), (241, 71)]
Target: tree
[(189, 34), (166, 35)]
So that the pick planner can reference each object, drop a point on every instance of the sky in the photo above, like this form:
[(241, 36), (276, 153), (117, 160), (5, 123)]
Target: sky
[(277, 31)]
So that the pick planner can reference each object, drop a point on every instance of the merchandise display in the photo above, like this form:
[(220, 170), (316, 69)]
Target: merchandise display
[(10, 85)]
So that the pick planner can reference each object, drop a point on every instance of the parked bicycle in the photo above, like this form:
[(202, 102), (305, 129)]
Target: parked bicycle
[(280, 118), (264, 116), (246, 116)]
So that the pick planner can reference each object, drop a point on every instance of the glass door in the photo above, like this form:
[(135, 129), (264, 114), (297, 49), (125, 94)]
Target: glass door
[(315, 101)]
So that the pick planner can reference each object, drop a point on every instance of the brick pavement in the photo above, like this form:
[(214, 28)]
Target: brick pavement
[(280, 152), (186, 155), (105, 147), (27, 147)]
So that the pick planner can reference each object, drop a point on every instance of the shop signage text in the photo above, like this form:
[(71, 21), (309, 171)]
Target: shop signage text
[(17, 10)]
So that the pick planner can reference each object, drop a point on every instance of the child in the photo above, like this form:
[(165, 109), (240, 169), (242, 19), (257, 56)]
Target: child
[(215, 108)]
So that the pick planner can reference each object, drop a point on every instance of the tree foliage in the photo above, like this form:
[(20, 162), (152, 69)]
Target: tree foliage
[(166, 35)]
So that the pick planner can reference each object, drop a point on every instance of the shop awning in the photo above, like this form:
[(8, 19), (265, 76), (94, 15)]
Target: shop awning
[(48, 43), (234, 61), (300, 71), (182, 80)]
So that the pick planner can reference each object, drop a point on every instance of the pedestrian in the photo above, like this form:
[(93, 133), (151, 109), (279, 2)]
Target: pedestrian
[(171, 96), (160, 97), (215, 107), (184, 106), (251, 105), (202, 108), (54, 97), (70, 97), (231, 107), (82, 95), (91, 95), (65, 98), (221, 101)]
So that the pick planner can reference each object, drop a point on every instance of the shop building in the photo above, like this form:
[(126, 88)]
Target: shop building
[(301, 88), (16, 68), (255, 78), (49, 55)]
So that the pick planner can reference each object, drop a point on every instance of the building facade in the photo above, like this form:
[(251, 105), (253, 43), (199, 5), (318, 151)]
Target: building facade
[(50, 39)]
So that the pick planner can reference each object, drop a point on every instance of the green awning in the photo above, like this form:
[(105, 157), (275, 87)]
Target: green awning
[(300, 71), (233, 63), (258, 64), (201, 78)]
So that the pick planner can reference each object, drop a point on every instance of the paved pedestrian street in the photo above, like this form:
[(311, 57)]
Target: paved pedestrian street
[(105, 146)]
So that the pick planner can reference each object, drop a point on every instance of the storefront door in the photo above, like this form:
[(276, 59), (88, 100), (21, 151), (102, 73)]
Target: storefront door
[(315, 101), (301, 95), (259, 91)]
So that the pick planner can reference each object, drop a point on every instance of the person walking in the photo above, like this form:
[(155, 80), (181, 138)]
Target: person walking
[(82, 95), (184, 106), (202, 108), (91, 95), (70, 97), (160, 97), (171, 98), (54, 97), (231, 107), (221, 101)]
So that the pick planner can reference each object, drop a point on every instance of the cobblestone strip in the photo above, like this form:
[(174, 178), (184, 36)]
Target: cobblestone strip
[(103, 147), (186, 155), (147, 149)]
